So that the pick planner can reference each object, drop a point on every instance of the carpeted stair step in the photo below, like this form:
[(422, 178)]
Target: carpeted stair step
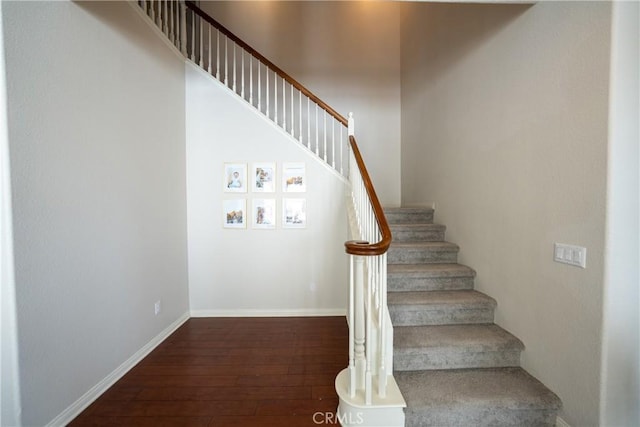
[(440, 308), (422, 252), (429, 277), (409, 215), (476, 397), (417, 232), (454, 347)]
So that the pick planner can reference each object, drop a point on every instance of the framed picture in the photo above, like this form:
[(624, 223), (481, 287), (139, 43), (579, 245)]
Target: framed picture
[(294, 178), (294, 213), (264, 213), (235, 178), (264, 177), (234, 213)]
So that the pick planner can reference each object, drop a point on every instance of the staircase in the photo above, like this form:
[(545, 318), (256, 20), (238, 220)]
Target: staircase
[(453, 365)]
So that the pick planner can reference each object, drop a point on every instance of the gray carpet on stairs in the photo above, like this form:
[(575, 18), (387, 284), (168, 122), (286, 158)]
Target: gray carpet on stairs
[(454, 366)]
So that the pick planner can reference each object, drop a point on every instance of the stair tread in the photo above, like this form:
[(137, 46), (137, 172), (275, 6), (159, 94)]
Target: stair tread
[(408, 209), (508, 388), (436, 298), (432, 270), (435, 246), (413, 225), (485, 337)]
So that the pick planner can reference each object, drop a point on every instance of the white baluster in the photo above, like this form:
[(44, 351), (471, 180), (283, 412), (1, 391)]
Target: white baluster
[(251, 79), (341, 150), (333, 143), (152, 13), (382, 373), (352, 365), (308, 123), (201, 22), (284, 105), (292, 114), (266, 97), (275, 97), (193, 36), (242, 73), (209, 49), (300, 111), (368, 334), (163, 7), (317, 128), (259, 88), (217, 54), (183, 28), (170, 7), (324, 133), (234, 66), (226, 61), (143, 6)]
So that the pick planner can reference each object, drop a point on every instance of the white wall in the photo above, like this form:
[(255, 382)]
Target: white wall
[(96, 137), (248, 271), (9, 371), (347, 53), (620, 390), (505, 128)]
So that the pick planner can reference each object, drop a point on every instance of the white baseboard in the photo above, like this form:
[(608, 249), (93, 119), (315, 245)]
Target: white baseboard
[(90, 396), (561, 423), (304, 312)]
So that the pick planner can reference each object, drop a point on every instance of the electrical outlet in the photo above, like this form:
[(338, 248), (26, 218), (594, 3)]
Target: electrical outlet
[(569, 254), (157, 307)]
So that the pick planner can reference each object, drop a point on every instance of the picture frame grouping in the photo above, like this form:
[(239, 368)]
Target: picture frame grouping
[(262, 211)]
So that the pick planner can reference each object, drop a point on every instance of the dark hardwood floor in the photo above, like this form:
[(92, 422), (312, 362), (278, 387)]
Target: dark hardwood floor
[(215, 372)]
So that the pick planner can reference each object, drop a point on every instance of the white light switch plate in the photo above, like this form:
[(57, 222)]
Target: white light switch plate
[(570, 254)]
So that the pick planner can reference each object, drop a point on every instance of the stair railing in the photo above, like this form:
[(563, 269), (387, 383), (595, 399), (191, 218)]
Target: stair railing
[(253, 77), (327, 134), (370, 335)]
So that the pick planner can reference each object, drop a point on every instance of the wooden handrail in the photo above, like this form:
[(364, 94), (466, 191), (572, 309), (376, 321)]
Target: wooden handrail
[(237, 40), (353, 247), (358, 247)]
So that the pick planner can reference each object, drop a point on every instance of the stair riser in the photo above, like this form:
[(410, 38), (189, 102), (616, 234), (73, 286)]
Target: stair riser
[(420, 256), (419, 235), (480, 417), (411, 217), (407, 283), (418, 315), (455, 359)]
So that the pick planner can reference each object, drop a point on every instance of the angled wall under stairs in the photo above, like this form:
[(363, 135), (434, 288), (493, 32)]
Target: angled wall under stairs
[(453, 365)]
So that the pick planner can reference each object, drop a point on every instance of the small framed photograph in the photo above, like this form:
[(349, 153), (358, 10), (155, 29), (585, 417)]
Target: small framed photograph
[(234, 213), (294, 213), (264, 213), (235, 178), (264, 177), (294, 178)]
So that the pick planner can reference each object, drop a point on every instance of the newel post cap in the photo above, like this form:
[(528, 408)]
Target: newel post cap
[(351, 124)]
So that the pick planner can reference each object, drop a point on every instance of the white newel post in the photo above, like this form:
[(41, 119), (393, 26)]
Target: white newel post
[(352, 125), (359, 327)]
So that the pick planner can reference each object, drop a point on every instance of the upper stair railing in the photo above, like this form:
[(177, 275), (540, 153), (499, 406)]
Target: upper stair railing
[(328, 135)]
